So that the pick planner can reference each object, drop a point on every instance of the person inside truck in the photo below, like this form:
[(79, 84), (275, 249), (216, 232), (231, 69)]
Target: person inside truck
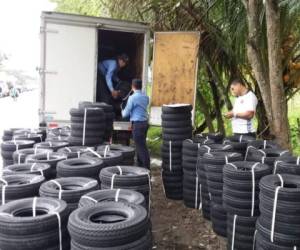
[(136, 110), (109, 69)]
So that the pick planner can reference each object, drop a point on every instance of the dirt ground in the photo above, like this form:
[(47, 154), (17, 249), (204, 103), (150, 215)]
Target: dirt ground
[(176, 227)]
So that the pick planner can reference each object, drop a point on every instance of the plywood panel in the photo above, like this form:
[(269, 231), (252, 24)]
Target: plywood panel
[(175, 67)]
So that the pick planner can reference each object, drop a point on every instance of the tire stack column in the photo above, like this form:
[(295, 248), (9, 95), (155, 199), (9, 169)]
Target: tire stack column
[(176, 127)]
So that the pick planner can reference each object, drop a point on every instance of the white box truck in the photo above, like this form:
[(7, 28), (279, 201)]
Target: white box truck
[(73, 45)]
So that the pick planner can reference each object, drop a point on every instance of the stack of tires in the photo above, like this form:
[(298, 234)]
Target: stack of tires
[(191, 183), (287, 165), (53, 145), (69, 189), (267, 156), (241, 201), (74, 151), (80, 167), (51, 158), (59, 134), (19, 186), (239, 143), (36, 135), (9, 147), (109, 116), (29, 136), (9, 133), (279, 221), (29, 168), (217, 138), (117, 195), (87, 127), (110, 225), (34, 223), (21, 155), (127, 177), (176, 127), (126, 151), (260, 144), (214, 163), (204, 194), (110, 158)]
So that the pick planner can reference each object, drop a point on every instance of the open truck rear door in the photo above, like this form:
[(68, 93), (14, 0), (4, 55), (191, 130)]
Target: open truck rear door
[(67, 70), (175, 64)]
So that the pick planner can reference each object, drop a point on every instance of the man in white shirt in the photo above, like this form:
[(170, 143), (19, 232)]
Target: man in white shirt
[(243, 109)]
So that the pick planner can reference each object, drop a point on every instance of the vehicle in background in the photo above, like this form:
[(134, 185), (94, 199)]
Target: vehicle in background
[(73, 45)]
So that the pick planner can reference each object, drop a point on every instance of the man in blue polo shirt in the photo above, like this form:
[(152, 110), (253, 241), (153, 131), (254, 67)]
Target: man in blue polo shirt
[(109, 69), (136, 109)]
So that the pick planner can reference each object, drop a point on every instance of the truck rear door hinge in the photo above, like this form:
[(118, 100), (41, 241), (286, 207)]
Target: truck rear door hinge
[(44, 30), (43, 71)]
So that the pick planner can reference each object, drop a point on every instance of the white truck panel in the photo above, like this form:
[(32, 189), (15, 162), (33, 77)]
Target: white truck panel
[(70, 68)]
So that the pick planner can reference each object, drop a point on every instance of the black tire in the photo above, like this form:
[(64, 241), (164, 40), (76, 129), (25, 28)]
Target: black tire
[(144, 243), (176, 117), (80, 167), (29, 137), (177, 137), (215, 137), (12, 146), (20, 186), (88, 134), (106, 107), (52, 160), (54, 145), (128, 223), (73, 151), (127, 151), (130, 176), (177, 109), (112, 158), (27, 168), (21, 155), (287, 165), (20, 230), (185, 130), (78, 141), (89, 127), (177, 124), (90, 113), (117, 195), (72, 189)]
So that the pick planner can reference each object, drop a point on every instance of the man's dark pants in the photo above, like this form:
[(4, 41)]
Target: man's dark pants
[(139, 135)]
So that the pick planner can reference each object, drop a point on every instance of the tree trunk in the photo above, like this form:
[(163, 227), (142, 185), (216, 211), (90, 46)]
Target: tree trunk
[(279, 104), (216, 99), (254, 55), (205, 110)]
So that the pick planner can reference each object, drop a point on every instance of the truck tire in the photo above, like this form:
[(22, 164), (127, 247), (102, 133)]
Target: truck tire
[(54, 145), (20, 230), (42, 169), (80, 167), (20, 186), (73, 151), (177, 109), (20, 155), (85, 229), (72, 189), (117, 195)]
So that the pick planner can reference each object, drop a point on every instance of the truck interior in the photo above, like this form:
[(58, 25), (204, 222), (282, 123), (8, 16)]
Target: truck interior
[(110, 45)]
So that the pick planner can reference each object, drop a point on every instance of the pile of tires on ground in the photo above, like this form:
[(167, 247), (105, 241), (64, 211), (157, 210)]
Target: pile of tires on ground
[(65, 178), (176, 127)]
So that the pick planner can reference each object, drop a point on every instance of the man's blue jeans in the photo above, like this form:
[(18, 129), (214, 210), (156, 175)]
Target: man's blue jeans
[(139, 134)]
